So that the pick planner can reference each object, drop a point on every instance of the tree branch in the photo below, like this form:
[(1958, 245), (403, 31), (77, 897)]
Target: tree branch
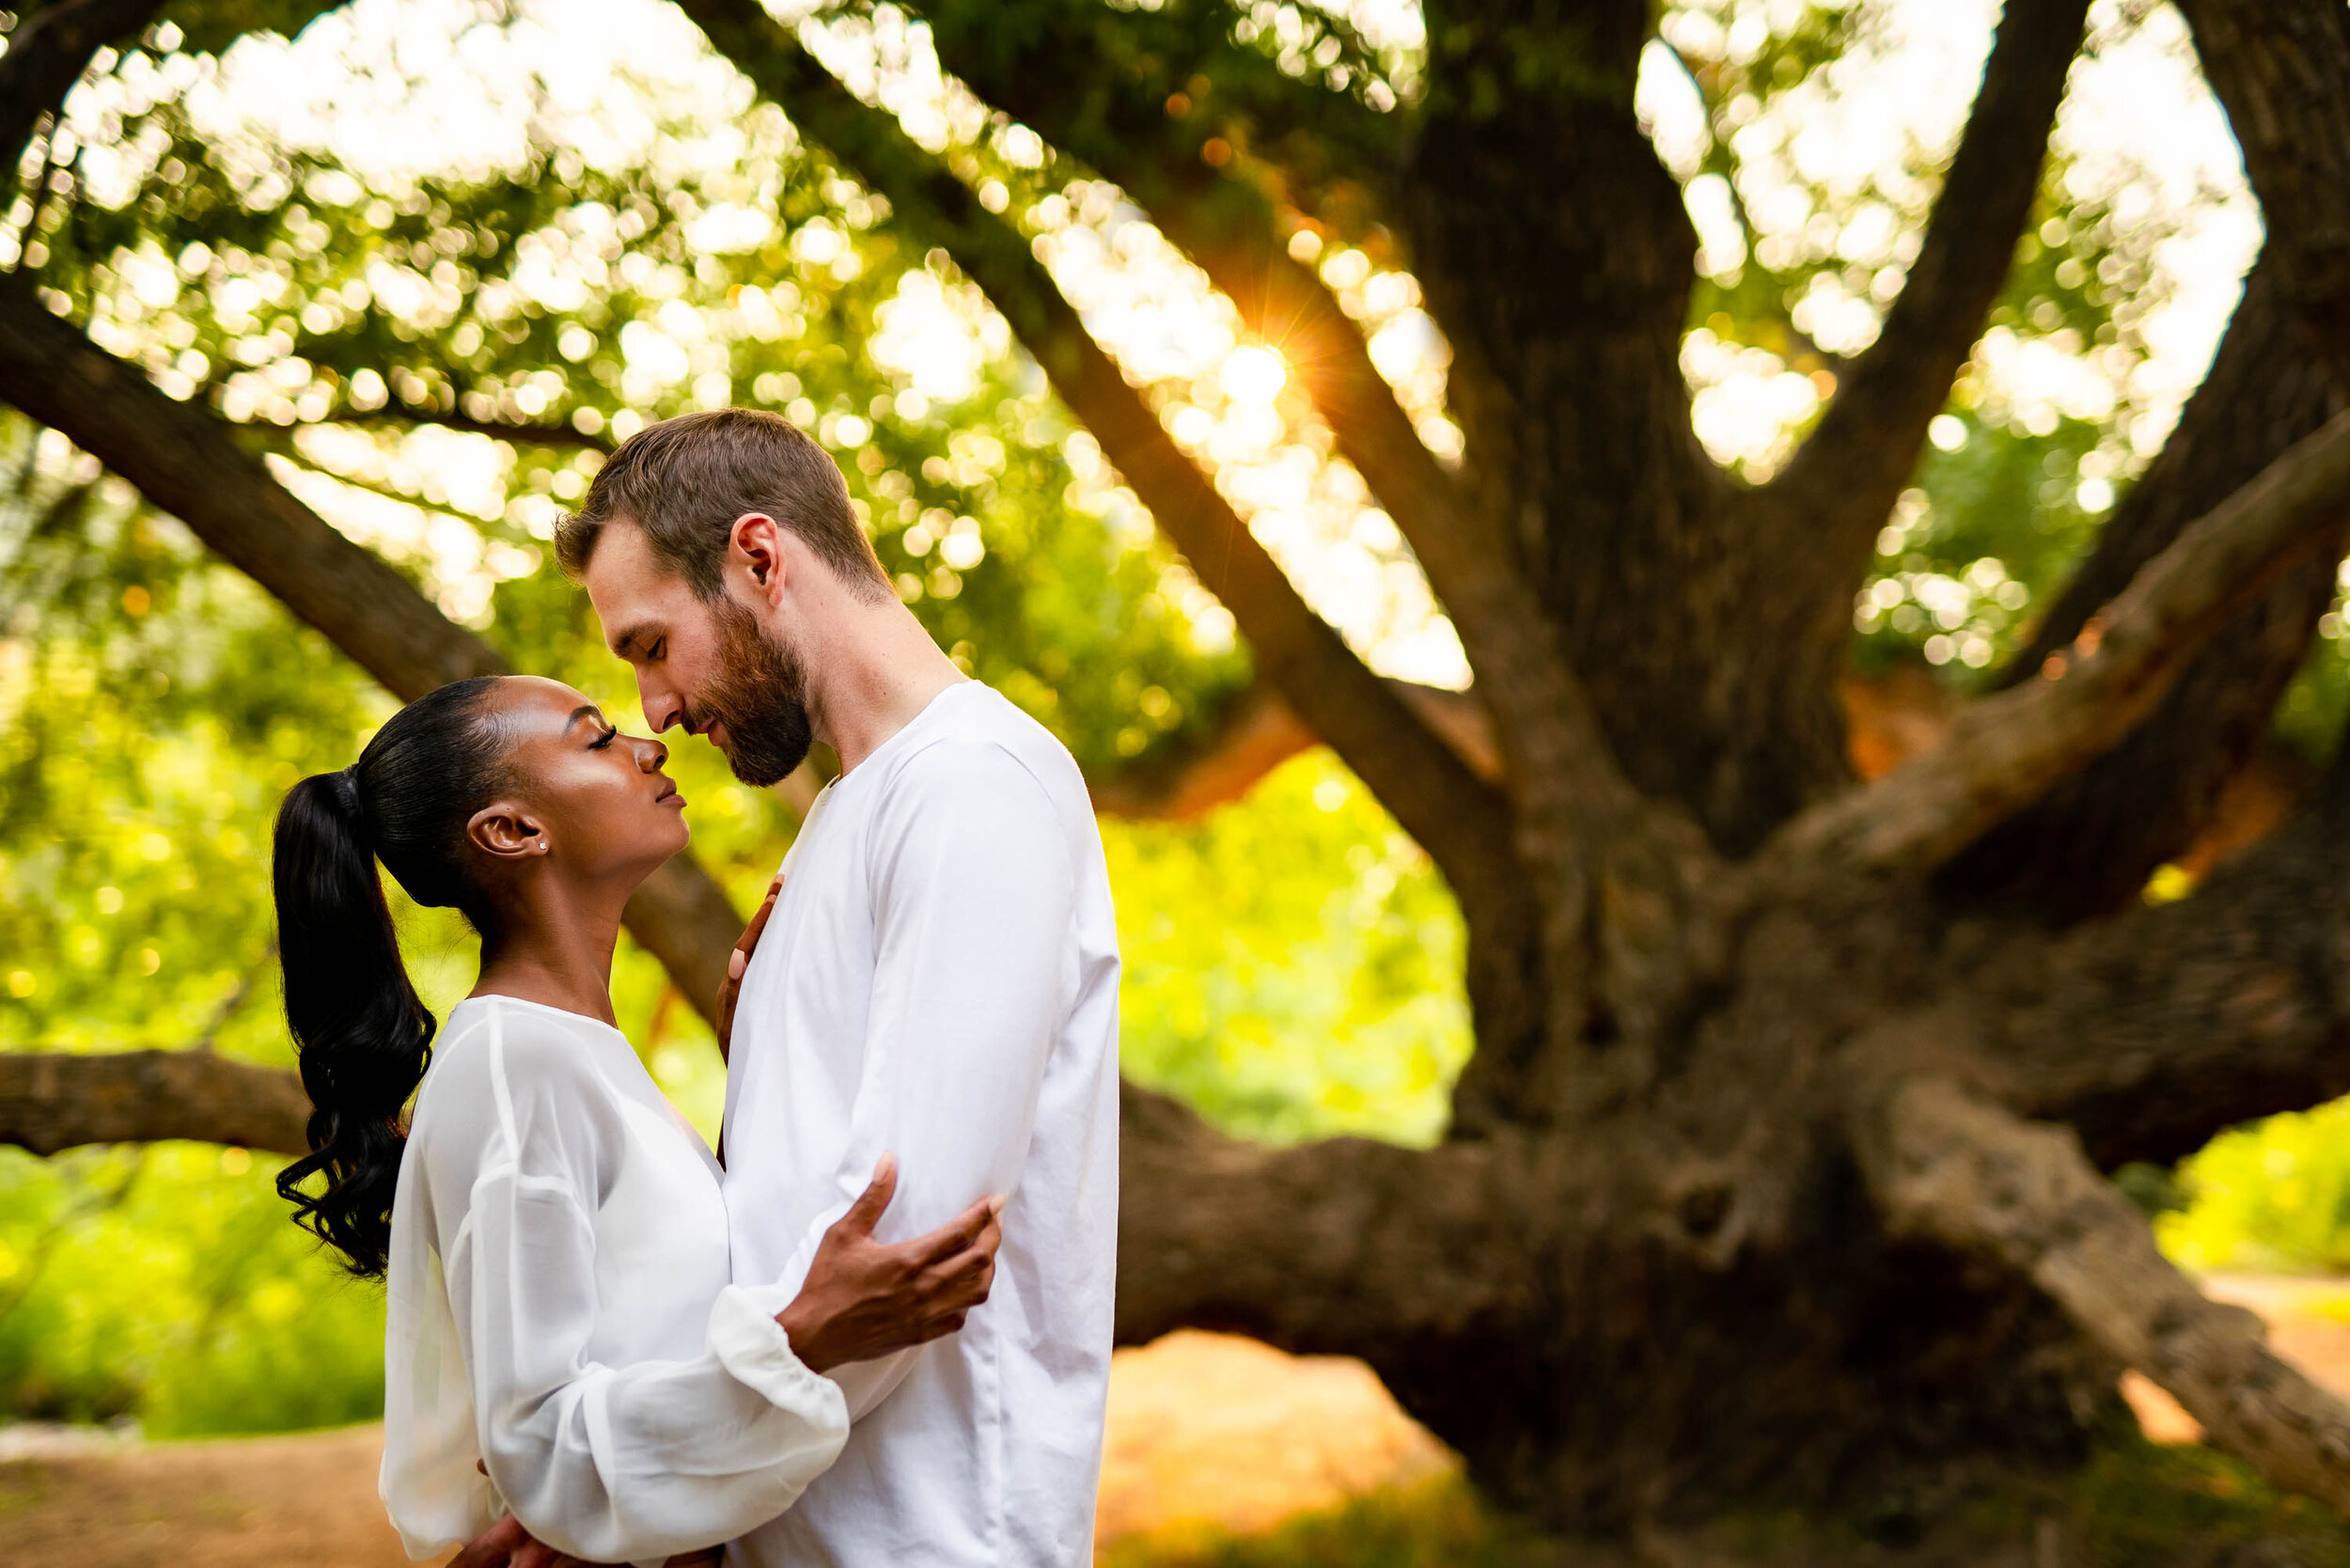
[(2089, 845), (187, 460), (1253, 733), (1292, 1246), (2151, 1030), (1831, 499), (2005, 751), (48, 50), (1460, 821), (2282, 70), (1951, 1168), (57, 1100), (399, 412), (1064, 84), (1230, 227)]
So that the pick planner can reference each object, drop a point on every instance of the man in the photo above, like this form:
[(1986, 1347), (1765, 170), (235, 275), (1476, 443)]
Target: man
[(938, 979)]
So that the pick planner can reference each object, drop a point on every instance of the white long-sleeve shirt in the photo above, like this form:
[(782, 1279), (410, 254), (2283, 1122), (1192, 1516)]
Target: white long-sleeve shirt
[(559, 1308), (939, 980)]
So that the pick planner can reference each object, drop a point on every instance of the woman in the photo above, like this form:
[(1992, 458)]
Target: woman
[(563, 1341)]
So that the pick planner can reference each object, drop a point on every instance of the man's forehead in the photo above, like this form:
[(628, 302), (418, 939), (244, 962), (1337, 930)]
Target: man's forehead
[(629, 588), (621, 556)]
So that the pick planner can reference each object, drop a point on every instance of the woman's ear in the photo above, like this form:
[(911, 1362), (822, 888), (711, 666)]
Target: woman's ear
[(505, 830)]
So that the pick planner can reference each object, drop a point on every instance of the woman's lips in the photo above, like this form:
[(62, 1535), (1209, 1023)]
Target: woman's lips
[(669, 796)]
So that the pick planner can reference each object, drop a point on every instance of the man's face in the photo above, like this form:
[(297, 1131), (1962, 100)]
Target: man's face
[(709, 667)]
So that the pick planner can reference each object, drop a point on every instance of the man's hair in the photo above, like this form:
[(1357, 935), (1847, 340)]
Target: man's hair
[(684, 481)]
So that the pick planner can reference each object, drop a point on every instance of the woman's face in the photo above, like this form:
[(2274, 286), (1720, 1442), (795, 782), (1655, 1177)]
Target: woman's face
[(598, 798)]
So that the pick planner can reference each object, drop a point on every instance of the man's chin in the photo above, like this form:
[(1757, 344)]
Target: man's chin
[(766, 769)]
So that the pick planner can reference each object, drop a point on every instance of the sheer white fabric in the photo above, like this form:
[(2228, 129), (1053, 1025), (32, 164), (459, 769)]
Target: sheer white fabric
[(560, 1310), (940, 979)]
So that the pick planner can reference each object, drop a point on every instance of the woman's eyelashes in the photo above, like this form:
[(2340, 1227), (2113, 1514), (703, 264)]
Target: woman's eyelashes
[(611, 733)]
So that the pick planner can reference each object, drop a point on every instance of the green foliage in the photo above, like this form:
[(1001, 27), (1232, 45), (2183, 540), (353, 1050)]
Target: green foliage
[(1291, 963), (2273, 1195), (1987, 535), (167, 1283)]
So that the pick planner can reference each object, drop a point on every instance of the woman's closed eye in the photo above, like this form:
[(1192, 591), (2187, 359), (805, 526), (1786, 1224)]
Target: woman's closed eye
[(611, 734)]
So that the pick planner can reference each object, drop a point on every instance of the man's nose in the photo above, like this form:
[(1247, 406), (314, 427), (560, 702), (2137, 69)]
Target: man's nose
[(662, 709)]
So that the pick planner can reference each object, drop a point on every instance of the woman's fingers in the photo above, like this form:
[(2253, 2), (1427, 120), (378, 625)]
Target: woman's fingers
[(758, 921), (866, 1211), (957, 1235), (731, 989), (959, 1284)]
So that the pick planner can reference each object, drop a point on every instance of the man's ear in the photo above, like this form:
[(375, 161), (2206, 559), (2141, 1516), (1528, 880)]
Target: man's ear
[(505, 830), (756, 548)]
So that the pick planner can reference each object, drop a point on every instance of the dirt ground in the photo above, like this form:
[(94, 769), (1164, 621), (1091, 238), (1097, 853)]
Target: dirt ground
[(1203, 1429)]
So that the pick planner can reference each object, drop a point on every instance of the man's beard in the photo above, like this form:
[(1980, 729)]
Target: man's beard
[(760, 695)]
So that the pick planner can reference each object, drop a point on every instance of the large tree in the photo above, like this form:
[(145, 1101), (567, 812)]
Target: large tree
[(1777, 1166)]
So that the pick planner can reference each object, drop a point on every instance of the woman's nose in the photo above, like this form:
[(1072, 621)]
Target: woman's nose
[(651, 754)]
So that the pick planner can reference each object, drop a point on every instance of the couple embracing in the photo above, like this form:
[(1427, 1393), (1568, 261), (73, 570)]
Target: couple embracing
[(880, 1333)]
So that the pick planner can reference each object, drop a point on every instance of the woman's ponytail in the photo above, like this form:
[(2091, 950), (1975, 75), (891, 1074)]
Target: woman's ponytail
[(362, 1035)]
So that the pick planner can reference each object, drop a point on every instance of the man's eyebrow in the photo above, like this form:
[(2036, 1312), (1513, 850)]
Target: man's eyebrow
[(585, 710)]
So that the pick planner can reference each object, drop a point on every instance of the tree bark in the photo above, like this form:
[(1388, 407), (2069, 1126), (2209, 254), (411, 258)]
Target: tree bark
[(1572, 400), (1951, 1168), (52, 1100), (1350, 1245), (2282, 70), (2151, 1030)]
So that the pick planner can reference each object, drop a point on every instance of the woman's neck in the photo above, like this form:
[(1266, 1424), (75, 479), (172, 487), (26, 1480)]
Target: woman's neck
[(558, 957)]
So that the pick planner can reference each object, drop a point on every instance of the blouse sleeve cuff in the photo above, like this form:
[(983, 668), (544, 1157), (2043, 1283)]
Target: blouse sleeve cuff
[(756, 1351)]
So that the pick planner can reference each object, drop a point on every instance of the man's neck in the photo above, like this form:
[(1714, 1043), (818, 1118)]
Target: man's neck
[(874, 683)]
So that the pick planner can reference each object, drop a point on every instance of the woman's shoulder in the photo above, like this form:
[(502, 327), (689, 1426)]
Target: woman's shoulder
[(505, 1065)]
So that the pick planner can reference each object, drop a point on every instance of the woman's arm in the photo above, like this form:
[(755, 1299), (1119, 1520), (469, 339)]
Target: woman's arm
[(683, 1488), (629, 1463)]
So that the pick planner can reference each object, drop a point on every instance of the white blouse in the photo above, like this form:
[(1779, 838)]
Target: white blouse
[(560, 1309)]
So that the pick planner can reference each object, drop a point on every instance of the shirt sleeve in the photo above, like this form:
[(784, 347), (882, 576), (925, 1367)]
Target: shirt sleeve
[(974, 902), (613, 1464)]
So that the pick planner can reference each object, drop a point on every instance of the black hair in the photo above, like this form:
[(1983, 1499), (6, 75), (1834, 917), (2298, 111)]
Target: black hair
[(362, 1034)]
